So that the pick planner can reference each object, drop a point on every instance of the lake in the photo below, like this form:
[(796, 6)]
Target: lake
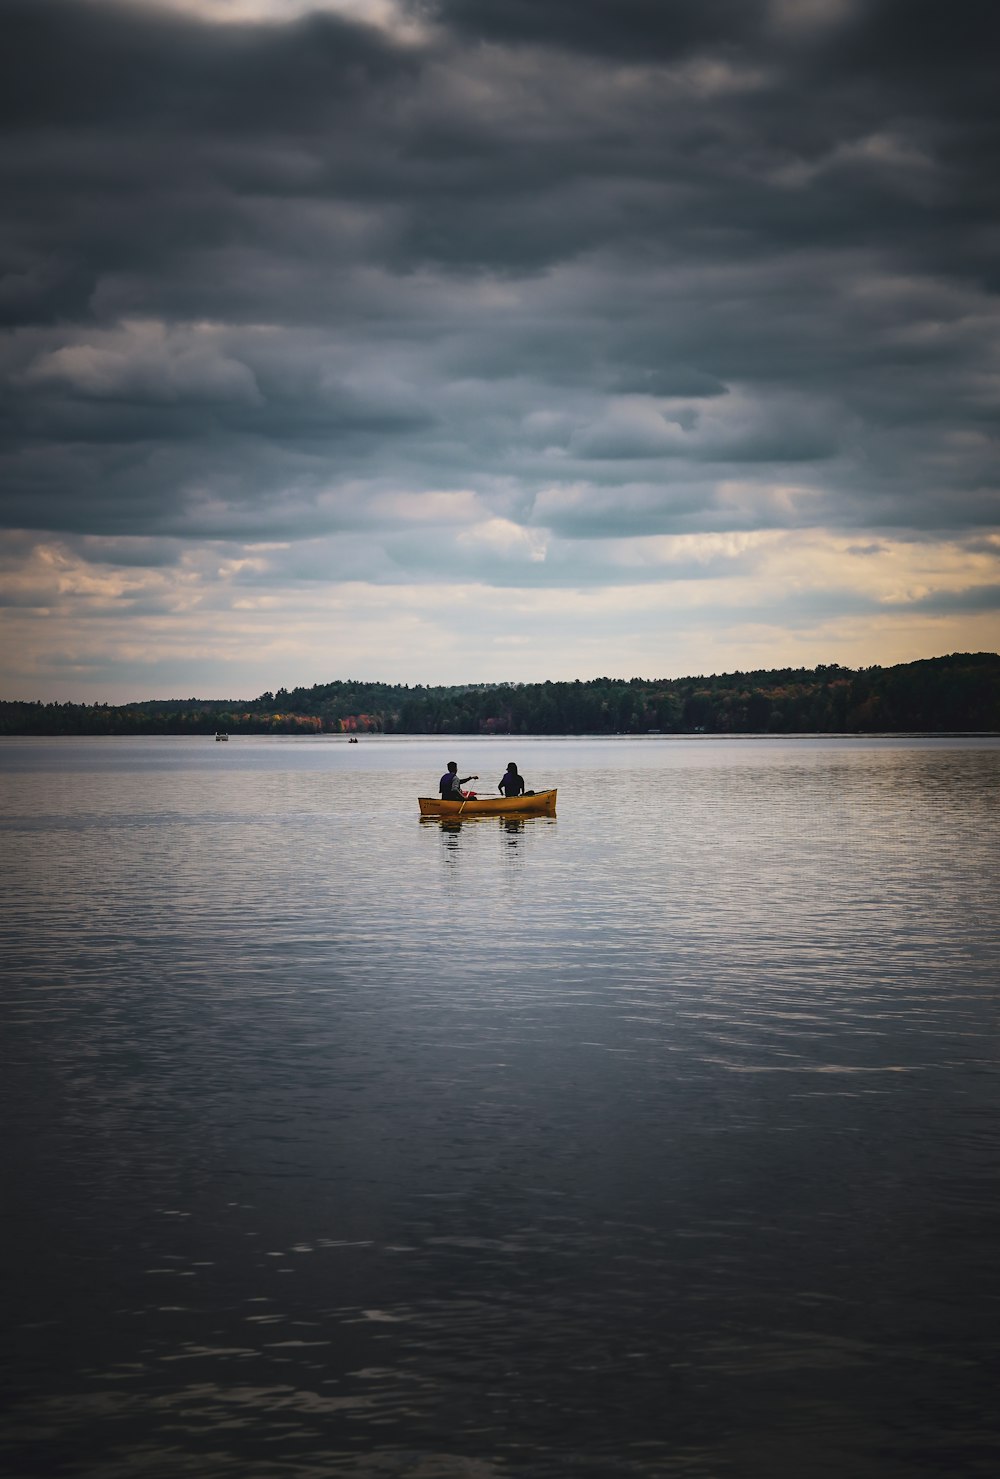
[(657, 1138)]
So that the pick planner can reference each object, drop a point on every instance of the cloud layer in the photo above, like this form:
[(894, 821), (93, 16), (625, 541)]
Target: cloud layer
[(494, 339)]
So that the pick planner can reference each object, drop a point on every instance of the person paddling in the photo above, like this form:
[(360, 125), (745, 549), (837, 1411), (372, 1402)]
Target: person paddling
[(450, 785)]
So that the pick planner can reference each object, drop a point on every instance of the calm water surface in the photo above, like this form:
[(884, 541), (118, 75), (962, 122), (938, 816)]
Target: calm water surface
[(659, 1138)]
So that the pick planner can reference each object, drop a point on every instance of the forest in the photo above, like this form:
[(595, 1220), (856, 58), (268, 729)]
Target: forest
[(955, 694)]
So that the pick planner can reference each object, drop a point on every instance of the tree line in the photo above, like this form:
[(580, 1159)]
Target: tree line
[(958, 693)]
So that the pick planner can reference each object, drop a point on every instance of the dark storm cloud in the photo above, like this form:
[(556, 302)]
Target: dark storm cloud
[(140, 148), (633, 29), (983, 598), (255, 273), (97, 63)]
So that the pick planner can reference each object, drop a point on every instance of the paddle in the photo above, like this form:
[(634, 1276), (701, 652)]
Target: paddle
[(468, 798)]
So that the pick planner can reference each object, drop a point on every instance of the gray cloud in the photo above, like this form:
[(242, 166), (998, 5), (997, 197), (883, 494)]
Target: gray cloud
[(619, 270), (632, 29)]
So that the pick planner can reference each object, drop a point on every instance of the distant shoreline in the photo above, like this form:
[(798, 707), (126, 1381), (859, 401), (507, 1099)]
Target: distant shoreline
[(847, 734), (957, 694)]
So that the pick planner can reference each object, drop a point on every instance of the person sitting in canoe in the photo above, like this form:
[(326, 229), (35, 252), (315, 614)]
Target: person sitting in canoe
[(511, 783), (450, 785)]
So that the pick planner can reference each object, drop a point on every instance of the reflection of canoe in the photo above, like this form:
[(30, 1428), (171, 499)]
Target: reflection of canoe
[(542, 804)]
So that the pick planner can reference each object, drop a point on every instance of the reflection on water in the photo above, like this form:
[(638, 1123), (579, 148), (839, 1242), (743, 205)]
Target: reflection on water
[(511, 825), (658, 1140), (509, 830)]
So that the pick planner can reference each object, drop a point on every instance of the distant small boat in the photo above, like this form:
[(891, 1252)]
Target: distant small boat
[(221, 736), (540, 804)]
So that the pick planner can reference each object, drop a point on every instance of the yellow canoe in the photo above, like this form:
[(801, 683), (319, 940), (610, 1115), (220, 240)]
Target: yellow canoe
[(541, 804)]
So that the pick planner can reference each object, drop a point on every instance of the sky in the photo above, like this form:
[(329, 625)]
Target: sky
[(494, 340)]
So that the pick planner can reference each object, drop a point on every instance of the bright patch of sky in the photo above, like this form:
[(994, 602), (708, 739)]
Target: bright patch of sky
[(373, 12)]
